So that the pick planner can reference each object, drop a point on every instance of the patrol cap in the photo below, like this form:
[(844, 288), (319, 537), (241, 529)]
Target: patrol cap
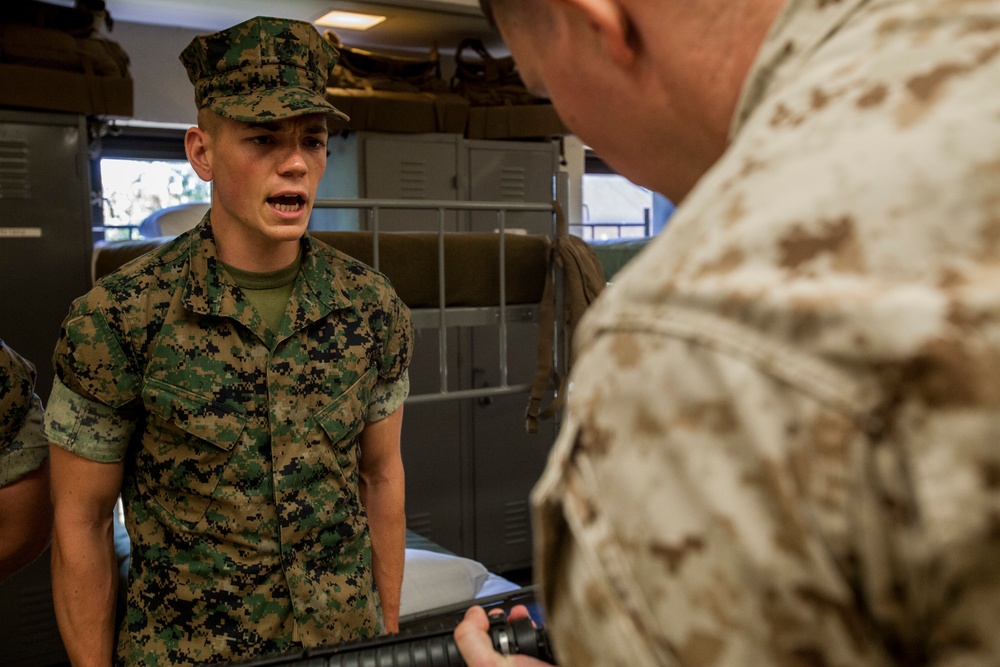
[(262, 70)]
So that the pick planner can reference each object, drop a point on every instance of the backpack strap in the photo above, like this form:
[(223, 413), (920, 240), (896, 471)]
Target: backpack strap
[(583, 280), (546, 376)]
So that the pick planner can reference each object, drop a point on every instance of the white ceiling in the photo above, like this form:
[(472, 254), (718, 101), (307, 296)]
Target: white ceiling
[(411, 25)]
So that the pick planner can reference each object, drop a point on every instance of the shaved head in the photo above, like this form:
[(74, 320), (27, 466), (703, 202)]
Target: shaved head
[(513, 11), (656, 109), (209, 121), (487, 7)]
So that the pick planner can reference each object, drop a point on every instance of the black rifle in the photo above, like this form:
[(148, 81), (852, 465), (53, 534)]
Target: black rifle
[(432, 645)]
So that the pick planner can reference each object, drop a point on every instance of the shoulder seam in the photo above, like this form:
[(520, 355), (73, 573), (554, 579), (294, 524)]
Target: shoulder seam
[(808, 372)]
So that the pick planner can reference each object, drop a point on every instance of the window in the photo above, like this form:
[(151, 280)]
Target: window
[(132, 189), (136, 171), (615, 208)]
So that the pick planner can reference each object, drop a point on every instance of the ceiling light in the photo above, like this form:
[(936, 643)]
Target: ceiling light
[(349, 20)]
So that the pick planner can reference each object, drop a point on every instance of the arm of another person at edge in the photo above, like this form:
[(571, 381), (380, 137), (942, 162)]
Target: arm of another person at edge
[(383, 492), (474, 643), (84, 567), (25, 520)]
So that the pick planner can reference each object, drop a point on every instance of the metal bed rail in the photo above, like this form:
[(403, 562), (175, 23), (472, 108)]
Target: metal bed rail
[(443, 316)]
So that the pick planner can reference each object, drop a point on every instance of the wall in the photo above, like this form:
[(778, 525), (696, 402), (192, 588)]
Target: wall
[(163, 93), (573, 165)]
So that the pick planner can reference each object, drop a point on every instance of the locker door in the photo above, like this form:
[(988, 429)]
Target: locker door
[(508, 461), (412, 168), (438, 503), (436, 457), (45, 236), (512, 172)]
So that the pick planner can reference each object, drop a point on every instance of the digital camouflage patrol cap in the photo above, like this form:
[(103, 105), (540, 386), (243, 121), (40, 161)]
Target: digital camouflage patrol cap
[(261, 70)]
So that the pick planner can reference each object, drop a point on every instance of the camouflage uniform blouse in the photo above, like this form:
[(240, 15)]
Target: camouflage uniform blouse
[(784, 442), (240, 445), (23, 446)]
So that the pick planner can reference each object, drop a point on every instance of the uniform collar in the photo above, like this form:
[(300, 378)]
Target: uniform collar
[(800, 29), (320, 289), (209, 290)]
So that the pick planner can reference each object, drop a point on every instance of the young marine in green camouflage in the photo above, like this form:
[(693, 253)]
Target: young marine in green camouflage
[(241, 447)]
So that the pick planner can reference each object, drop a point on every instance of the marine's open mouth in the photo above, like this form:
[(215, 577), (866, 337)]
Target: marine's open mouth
[(287, 203)]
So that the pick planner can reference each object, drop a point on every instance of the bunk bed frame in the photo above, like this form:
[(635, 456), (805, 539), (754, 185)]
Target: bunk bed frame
[(444, 315)]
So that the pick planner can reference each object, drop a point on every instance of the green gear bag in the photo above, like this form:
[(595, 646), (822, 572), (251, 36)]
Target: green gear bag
[(583, 280)]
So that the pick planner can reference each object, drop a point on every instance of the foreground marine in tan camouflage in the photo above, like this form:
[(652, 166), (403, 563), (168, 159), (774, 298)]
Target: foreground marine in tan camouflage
[(783, 445), (242, 388)]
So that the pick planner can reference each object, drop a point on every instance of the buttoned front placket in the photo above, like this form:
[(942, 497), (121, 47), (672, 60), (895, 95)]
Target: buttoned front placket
[(316, 374), (319, 379)]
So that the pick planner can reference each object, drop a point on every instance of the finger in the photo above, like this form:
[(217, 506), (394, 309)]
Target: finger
[(473, 640), (478, 615), (518, 612)]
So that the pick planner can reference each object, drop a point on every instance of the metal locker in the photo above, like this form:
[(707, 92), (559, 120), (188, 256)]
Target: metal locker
[(45, 235)]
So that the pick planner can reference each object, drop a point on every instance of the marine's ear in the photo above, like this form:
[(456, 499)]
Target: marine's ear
[(197, 146), (613, 23)]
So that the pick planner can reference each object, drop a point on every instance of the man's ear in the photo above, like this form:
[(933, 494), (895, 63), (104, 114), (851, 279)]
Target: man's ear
[(612, 22), (197, 145)]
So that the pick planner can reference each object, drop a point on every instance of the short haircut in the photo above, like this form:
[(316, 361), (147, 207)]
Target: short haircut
[(209, 121), (515, 11)]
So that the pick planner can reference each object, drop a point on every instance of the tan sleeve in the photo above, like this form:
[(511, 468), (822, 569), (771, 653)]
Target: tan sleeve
[(712, 504)]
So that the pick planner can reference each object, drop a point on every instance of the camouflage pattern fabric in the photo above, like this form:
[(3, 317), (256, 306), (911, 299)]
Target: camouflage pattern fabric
[(783, 442), (240, 446), (23, 447), (262, 70)]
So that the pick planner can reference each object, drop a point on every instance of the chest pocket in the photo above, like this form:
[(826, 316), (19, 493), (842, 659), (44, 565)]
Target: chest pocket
[(186, 446), (342, 420)]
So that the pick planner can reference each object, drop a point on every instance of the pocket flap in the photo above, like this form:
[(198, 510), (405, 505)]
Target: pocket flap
[(197, 415), (346, 416)]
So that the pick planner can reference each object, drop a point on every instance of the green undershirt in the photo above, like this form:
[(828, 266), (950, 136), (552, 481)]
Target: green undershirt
[(269, 291)]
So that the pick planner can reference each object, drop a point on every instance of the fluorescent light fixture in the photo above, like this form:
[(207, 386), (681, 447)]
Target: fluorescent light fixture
[(349, 20)]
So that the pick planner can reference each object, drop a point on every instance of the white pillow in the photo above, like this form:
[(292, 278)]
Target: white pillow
[(433, 580)]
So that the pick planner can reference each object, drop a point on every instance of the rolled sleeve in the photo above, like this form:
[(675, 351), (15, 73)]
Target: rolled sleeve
[(393, 384), (387, 397), (28, 449), (398, 342), (23, 447), (86, 427)]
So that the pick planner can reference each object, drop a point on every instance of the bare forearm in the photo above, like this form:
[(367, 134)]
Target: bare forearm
[(25, 520), (84, 590), (382, 489), (384, 502)]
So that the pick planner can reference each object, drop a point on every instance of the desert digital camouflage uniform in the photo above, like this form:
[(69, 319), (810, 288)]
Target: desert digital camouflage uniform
[(23, 447), (240, 445), (784, 443)]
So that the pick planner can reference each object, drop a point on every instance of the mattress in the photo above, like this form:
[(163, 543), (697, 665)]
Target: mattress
[(434, 578), (411, 262), (616, 253)]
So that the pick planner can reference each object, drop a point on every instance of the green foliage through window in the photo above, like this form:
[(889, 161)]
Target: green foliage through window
[(135, 188)]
